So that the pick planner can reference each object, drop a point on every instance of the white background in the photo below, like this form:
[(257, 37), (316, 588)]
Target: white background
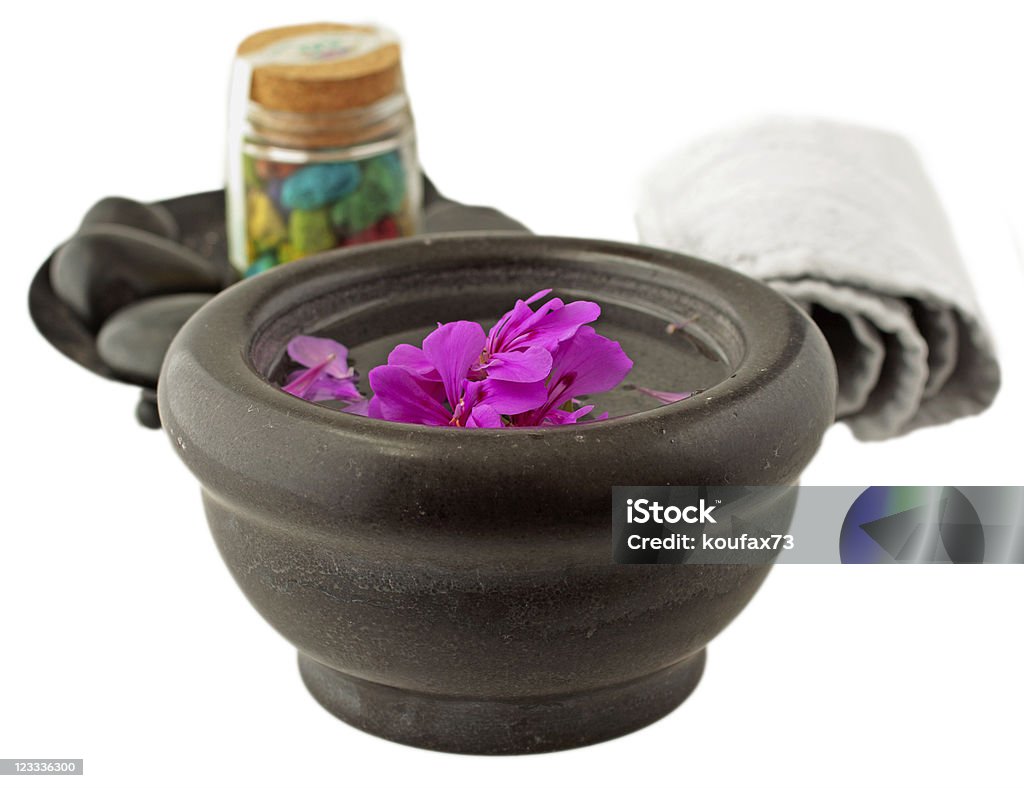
[(124, 641)]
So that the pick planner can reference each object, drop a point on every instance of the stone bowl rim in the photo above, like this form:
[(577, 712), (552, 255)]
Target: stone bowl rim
[(242, 311)]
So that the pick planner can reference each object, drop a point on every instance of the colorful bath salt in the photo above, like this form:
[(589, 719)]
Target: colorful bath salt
[(380, 194), (383, 230), (386, 177), (317, 185), (287, 253), (377, 209), (387, 228), (266, 227), (264, 262), (357, 212), (273, 170), (310, 231), (322, 151)]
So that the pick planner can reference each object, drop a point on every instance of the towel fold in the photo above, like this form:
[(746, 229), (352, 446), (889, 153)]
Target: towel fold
[(843, 220)]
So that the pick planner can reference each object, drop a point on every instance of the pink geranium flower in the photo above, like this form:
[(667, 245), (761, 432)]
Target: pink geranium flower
[(529, 370), (526, 371), (432, 385)]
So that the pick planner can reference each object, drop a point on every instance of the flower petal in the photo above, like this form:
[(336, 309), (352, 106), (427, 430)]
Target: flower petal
[(551, 323), (665, 397), (299, 382), (508, 327), (452, 348), (509, 397), (312, 351), (537, 296), (559, 416), (560, 324), (528, 365), (327, 388), (484, 416), (398, 395), (413, 359), (358, 408), (588, 363)]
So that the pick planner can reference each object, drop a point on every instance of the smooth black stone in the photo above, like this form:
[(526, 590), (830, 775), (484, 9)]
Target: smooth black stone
[(134, 340), (105, 268), (447, 217), (442, 215), (123, 211), (146, 412)]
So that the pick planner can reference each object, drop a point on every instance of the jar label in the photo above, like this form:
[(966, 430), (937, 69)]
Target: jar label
[(322, 47)]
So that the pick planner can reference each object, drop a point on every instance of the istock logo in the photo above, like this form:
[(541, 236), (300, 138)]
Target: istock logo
[(643, 511)]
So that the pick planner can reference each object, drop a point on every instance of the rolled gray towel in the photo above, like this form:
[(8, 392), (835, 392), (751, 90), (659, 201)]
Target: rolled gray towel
[(844, 220)]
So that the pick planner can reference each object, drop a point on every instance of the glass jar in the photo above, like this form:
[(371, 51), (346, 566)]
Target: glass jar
[(322, 150)]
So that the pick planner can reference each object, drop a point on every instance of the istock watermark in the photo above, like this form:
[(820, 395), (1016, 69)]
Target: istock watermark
[(642, 511), (816, 525)]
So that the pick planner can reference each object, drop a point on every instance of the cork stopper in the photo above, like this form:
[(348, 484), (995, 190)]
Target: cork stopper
[(322, 67)]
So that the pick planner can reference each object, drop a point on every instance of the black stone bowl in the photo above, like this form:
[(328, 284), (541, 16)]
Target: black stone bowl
[(454, 589)]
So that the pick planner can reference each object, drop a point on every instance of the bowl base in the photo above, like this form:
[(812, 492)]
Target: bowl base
[(501, 727)]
